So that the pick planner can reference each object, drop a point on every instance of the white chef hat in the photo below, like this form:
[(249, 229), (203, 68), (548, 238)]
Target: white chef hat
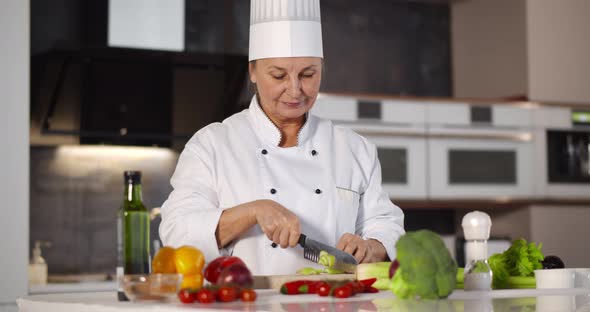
[(285, 28)]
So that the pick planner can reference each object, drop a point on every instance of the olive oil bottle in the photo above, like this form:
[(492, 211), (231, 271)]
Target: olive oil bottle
[(133, 232)]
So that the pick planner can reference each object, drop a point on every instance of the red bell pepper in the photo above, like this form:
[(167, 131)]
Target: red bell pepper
[(311, 288), (368, 282), (371, 290), (292, 288)]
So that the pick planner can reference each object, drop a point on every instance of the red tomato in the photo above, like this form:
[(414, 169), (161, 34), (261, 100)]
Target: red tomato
[(324, 289), (205, 296), (186, 296), (248, 295), (227, 294), (343, 291)]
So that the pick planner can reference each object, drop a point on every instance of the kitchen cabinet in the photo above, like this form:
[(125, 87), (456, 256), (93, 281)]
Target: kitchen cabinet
[(532, 48)]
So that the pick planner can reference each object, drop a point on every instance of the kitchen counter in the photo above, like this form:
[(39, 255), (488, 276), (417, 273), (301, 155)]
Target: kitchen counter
[(271, 300), (56, 288)]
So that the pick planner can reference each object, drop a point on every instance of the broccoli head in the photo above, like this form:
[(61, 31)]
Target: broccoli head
[(426, 268)]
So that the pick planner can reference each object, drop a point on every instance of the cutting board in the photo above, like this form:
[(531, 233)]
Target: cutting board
[(275, 281)]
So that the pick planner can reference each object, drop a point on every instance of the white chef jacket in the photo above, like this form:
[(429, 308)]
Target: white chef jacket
[(331, 180)]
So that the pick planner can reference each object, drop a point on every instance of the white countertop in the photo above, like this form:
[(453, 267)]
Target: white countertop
[(562, 300), (57, 288)]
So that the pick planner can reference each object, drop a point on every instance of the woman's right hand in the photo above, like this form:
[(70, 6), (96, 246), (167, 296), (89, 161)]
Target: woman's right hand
[(278, 223)]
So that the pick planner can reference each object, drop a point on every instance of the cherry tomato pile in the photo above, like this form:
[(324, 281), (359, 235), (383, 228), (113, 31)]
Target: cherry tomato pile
[(225, 293), (324, 288)]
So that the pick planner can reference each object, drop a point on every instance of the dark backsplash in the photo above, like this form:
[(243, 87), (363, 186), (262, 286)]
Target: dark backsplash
[(75, 192), (395, 47)]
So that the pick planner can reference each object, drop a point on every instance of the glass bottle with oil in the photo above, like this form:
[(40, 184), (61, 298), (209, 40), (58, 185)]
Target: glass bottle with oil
[(133, 227)]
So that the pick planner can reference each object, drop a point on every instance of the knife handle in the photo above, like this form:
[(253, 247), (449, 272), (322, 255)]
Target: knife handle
[(301, 242), (302, 239)]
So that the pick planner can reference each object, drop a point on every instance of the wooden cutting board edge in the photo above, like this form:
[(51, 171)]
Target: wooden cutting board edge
[(275, 281)]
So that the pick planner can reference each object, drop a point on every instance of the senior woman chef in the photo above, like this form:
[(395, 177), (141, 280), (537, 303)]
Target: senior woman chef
[(274, 170)]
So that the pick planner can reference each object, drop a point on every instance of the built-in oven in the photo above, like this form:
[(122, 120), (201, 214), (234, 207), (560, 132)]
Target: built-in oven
[(402, 157), (397, 128), (563, 152), (479, 152)]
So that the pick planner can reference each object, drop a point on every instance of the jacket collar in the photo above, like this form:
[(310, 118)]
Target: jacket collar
[(269, 132)]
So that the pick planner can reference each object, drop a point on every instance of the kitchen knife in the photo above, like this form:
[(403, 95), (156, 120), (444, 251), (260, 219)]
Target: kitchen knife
[(311, 251)]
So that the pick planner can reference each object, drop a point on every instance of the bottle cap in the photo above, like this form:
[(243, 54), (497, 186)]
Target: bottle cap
[(476, 225), (133, 177)]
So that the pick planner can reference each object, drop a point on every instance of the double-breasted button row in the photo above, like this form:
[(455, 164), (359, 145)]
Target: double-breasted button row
[(313, 152), (274, 191)]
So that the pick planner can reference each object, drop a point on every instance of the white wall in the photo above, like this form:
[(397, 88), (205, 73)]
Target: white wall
[(564, 232), (14, 146), (488, 41), (558, 50)]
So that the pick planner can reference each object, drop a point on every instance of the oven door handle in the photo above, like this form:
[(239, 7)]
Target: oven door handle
[(388, 130), (480, 134)]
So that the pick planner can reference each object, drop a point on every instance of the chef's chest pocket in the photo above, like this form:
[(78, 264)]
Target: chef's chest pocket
[(347, 203)]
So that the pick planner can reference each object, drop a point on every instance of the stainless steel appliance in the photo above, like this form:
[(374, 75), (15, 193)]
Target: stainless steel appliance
[(563, 151), (479, 152)]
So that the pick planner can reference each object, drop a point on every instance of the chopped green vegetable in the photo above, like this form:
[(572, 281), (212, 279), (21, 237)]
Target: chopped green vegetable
[(309, 271), (378, 270), (332, 271), (326, 259), (370, 270), (426, 269)]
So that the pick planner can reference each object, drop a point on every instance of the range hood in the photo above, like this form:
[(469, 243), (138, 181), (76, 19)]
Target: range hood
[(134, 97)]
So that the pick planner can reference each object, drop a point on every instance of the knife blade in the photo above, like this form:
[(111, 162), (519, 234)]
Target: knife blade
[(311, 251)]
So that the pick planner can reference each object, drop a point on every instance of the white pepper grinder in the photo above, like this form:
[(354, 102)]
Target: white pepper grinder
[(476, 228)]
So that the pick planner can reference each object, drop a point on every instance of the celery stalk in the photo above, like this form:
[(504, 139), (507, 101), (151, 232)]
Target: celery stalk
[(370, 270)]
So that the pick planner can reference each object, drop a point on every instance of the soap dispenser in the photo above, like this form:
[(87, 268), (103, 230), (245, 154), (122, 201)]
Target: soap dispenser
[(38, 266)]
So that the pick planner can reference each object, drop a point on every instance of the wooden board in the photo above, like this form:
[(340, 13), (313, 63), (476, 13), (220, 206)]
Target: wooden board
[(275, 281)]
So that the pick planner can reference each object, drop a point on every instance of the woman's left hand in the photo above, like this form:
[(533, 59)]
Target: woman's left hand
[(363, 250)]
